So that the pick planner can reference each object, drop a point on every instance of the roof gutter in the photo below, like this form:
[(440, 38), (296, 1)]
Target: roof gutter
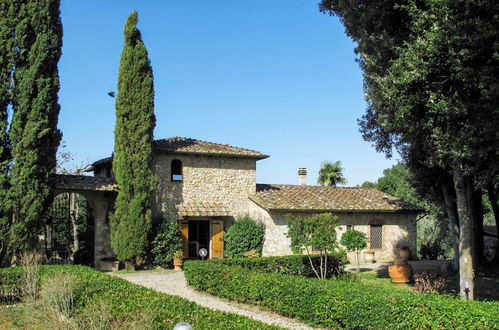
[(340, 211)]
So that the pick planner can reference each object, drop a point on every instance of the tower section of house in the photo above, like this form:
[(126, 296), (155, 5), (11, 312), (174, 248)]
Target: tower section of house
[(203, 186)]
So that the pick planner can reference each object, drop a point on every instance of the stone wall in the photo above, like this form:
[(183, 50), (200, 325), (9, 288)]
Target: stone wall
[(226, 180), (398, 230)]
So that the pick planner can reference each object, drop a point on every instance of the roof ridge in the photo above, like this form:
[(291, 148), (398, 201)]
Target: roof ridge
[(203, 141), (180, 144), (315, 186)]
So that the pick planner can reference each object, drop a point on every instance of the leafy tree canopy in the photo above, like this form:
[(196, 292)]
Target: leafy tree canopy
[(314, 233)]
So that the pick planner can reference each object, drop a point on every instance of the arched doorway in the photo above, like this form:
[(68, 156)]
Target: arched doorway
[(99, 194), (70, 230)]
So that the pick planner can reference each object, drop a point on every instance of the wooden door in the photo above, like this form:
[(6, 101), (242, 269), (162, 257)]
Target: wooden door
[(184, 232), (217, 239)]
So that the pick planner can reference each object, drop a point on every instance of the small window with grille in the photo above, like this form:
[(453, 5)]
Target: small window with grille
[(349, 227), (376, 239)]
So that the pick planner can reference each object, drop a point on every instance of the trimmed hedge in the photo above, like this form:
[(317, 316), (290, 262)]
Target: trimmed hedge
[(127, 300), (338, 303), (298, 265)]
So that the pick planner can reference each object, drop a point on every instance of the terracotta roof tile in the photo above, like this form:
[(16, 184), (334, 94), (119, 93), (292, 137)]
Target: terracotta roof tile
[(198, 209), (187, 145), (83, 182), (190, 146), (306, 198)]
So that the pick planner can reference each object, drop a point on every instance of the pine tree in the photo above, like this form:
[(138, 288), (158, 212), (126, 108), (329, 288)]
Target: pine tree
[(33, 132), (135, 121)]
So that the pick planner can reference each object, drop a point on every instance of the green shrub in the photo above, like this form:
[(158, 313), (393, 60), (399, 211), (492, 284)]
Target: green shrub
[(11, 288), (340, 304), (244, 235), (58, 293), (166, 241), (314, 233), (354, 240), (298, 265), (122, 302)]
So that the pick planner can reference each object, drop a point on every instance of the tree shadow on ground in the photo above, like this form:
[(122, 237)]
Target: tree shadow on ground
[(486, 285)]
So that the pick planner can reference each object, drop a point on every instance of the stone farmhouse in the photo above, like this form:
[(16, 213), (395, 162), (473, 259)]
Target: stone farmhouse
[(206, 186)]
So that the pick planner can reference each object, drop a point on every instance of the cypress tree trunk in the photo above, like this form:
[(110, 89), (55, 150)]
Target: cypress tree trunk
[(33, 131), (466, 263), (135, 121)]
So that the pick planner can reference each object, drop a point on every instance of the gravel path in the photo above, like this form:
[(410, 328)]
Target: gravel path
[(175, 284)]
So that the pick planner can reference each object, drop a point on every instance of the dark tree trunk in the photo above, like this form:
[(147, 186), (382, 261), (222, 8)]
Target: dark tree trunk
[(466, 271), (453, 220), (495, 209)]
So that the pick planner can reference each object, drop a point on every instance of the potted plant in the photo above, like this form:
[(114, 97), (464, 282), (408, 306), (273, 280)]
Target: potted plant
[(178, 260)]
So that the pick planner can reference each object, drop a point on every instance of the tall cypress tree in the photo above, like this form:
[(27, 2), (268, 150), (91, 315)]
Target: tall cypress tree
[(33, 132), (133, 136), (7, 26)]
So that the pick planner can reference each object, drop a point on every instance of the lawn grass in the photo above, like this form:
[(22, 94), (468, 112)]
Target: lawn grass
[(486, 285), (373, 278)]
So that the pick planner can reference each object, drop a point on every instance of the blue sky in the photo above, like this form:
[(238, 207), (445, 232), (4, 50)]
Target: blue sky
[(275, 76)]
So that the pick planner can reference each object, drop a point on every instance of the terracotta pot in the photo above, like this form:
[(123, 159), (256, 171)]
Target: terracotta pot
[(177, 263), (400, 272), (109, 266), (404, 254), (116, 266)]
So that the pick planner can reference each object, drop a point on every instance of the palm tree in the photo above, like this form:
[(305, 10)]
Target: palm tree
[(331, 174)]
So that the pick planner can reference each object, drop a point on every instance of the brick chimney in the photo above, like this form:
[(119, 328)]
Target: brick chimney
[(302, 176)]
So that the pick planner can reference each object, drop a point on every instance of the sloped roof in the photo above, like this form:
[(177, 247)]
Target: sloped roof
[(203, 209), (184, 145), (83, 182), (192, 146), (278, 197)]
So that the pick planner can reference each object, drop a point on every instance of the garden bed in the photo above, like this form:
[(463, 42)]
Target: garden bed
[(99, 296), (339, 303)]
